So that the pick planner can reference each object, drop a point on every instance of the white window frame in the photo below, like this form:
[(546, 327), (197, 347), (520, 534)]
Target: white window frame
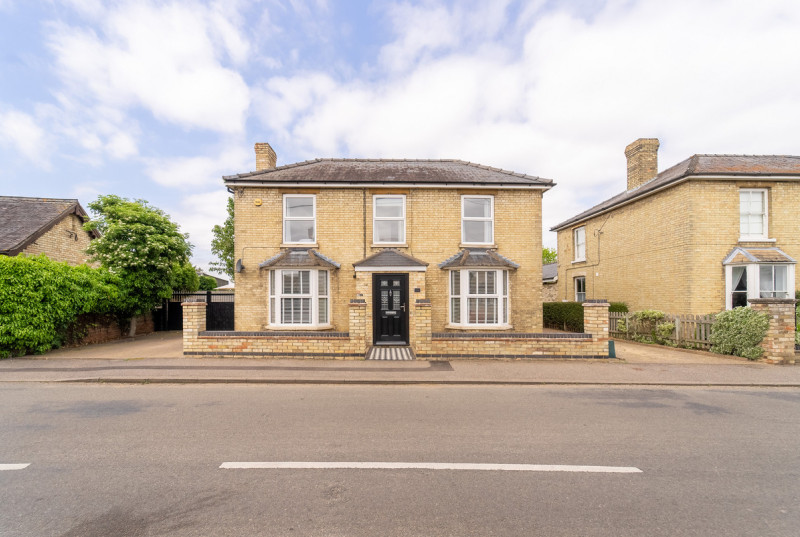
[(764, 215), (579, 254), (489, 219), (754, 281), (312, 218), (376, 218), (502, 294), (276, 294), (575, 285)]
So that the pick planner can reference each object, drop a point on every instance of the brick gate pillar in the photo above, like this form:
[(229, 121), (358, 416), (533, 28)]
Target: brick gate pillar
[(778, 344), (358, 325), (421, 334), (595, 322), (194, 322)]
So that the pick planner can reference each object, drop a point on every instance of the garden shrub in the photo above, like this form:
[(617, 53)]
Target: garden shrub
[(617, 307), (41, 298), (647, 326), (739, 332), (566, 316)]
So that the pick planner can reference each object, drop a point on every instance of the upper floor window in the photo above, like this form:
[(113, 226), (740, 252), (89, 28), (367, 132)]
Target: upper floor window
[(477, 219), (753, 213), (389, 219), (299, 218), (479, 297), (579, 238), (299, 297)]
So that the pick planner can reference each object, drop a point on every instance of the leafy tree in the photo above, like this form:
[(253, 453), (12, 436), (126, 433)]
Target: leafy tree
[(142, 246), (207, 283), (549, 255), (222, 244), (185, 278)]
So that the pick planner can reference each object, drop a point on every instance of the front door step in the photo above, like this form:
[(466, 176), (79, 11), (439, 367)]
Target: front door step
[(390, 353)]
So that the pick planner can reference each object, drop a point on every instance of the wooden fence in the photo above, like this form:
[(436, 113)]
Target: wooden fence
[(690, 330)]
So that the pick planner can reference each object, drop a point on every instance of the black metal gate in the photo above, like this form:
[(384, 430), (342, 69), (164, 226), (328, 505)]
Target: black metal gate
[(219, 310)]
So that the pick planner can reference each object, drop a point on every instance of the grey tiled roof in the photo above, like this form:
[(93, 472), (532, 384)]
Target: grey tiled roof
[(332, 172), (299, 257), (477, 258), (549, 271), (390, 257), (23, 220), (756, 255), (733, 166)]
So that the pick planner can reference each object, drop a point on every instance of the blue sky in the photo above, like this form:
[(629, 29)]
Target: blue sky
[(158, 99)]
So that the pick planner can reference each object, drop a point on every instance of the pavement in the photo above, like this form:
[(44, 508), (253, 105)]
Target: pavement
[(158, 358)]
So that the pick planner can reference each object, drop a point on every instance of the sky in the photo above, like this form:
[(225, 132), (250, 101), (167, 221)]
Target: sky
[(157, 100)]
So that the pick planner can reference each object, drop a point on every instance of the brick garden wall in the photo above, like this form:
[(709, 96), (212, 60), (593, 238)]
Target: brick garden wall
[(426, 344)]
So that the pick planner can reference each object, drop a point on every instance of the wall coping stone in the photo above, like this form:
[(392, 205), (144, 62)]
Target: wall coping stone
[(508, 335), (284, 334)]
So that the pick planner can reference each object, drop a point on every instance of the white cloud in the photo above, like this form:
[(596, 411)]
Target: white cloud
[(170, 59), (704, 77), (200, 172), (21, 132), (197, 214)]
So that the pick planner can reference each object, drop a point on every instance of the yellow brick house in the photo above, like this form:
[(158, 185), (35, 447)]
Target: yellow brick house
[(707, 234), (50, 226), (388, 259)]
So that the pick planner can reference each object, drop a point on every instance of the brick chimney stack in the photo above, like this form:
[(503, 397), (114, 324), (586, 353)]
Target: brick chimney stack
[(266, 159), (642, 158)]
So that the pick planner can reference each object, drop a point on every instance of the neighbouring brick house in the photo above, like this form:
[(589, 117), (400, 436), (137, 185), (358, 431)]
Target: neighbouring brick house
[(709, 233), (338, 256), (54, 227)]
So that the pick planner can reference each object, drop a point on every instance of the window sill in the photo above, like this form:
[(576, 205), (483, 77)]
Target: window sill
[(479, 326), (298, 327), (389, 245), (756, 239), (579, 261), (477, 245), (299, 245)]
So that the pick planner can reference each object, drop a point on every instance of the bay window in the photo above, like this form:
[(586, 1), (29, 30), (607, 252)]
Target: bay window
[(757, 280), (299, 298), (479, 298)]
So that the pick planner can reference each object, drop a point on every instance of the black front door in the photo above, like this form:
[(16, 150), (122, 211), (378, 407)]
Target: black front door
[(390, 309)]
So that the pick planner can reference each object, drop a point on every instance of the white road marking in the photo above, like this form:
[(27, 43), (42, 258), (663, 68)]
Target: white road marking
[(14, 466), (429, 466)]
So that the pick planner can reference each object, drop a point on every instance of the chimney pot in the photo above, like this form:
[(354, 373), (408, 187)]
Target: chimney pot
[(266, 159), (642, 158)]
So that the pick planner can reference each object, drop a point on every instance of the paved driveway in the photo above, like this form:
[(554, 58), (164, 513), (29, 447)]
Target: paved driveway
[(155, 345)]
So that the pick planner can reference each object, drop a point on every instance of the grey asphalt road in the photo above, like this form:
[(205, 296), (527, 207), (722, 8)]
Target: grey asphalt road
[(132, 460)]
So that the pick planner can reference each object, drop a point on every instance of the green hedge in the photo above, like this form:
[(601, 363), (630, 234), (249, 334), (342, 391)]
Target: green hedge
[(567, 316), (41, 298), (617, 307)]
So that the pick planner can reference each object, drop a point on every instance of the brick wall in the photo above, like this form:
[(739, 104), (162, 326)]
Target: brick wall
[(665, 251), (66, 241), (427, 344)]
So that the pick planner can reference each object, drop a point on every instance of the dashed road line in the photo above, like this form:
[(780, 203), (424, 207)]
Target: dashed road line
[(14, 466), (428, 466)]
